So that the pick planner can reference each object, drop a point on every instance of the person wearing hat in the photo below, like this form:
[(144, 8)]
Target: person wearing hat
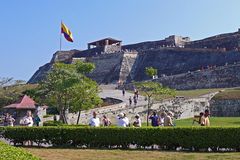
[(122, 120), (168, 119), (94, 121), (137, 122)]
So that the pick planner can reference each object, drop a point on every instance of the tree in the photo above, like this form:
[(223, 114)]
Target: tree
[(67, 87), (150, 71), (151, 89), (11, 90)]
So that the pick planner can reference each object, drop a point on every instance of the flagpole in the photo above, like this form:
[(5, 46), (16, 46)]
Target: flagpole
[(61, 37)]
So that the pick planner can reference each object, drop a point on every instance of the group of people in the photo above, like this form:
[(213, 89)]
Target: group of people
[(203, 118), (134, 99), (164, 119), (122, 121), (28, 120)]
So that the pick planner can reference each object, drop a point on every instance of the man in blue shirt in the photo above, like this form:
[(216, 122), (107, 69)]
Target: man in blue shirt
[(155, 119)]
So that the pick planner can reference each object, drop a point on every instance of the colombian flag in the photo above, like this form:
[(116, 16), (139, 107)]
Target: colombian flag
[(66, 32)]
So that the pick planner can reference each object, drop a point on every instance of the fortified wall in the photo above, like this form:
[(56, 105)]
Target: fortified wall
[(172, 56), (219, 77)]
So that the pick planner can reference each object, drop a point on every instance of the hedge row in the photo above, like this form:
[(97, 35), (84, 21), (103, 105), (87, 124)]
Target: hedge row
[(185, 137), (8, 152)]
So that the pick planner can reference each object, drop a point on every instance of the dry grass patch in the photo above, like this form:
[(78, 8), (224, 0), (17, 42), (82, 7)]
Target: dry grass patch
[(93, 154)]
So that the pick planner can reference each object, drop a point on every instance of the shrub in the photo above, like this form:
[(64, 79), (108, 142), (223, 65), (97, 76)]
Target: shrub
[(8, 152), (185, 137), (53, 123)]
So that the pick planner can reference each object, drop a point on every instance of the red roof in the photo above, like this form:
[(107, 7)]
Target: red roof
[(26, 103)]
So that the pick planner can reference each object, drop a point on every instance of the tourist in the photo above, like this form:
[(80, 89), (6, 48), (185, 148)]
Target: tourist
[(161, 118), (126, 119), (168, 120), (130, 101), (94, 121), (10, 120), (136, 93), (5, 121), (154, 118), (37, 120), (135, 100), (200, 117), (122, 122), (123, 91), (205, 118), (137, 122), (28, 120), (106, 121)]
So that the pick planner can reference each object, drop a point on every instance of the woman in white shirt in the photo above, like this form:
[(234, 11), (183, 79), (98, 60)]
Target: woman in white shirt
[(28, 120), (94, 121)]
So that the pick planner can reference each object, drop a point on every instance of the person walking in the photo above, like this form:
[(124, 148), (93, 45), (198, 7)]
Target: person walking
[(123, 91), (130, 101), (135, 100)]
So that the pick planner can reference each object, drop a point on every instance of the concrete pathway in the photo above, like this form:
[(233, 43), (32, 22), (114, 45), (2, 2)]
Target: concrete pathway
[(110, 91)]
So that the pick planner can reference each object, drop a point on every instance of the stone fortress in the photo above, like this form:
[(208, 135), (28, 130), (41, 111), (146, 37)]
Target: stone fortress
[(212, 62)]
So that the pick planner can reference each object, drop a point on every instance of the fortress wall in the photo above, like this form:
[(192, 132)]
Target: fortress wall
[(220, 77), (225, 108), (107, 67), (228, 41), (41, 73), (177, 61)]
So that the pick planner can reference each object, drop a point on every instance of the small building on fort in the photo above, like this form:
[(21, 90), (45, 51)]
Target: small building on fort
[(106, 45)]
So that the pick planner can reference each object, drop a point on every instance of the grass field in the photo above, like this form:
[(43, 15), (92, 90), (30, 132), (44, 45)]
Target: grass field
[(197, 92), (214, 121), (188, 93), (228, 94), (93, 154)]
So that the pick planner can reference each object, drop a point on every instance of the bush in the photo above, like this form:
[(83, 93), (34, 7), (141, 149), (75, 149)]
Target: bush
[(53, 123), (169, 138), (8, 152)]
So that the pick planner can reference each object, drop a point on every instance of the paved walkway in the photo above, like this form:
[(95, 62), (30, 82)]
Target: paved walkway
[(110, 91)]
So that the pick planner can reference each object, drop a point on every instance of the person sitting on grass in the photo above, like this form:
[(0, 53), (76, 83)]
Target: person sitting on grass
[(94, 121)]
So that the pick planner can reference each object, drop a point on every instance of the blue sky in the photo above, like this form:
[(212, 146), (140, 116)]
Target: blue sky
[(30, 29)]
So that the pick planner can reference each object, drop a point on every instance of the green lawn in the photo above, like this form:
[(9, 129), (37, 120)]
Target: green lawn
[(214, 121), (231, 94), (188, 93), (197, 92)]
